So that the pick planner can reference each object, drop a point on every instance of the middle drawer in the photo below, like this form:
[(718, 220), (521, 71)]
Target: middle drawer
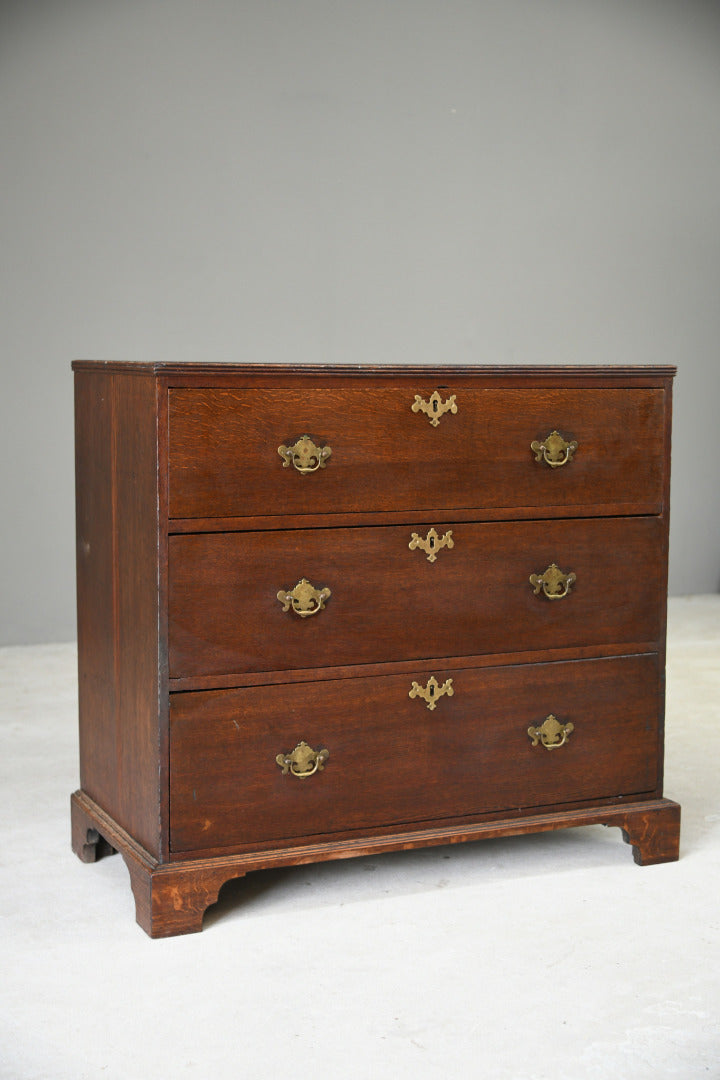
[(275, 601)]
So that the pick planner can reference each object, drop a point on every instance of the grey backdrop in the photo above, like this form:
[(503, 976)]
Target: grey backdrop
[(382, 181)]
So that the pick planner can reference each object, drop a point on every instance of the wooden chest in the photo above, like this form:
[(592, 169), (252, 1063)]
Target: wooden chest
[(328, 611)]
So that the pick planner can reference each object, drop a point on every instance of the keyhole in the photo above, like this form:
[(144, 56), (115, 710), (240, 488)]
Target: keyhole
[(432, 541), (435, 405), (432, 691)]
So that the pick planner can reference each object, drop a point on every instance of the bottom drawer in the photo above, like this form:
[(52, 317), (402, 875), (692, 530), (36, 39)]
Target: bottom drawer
[(391, 759)]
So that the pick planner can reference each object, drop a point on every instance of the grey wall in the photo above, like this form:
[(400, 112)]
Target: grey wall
[(384, 181)]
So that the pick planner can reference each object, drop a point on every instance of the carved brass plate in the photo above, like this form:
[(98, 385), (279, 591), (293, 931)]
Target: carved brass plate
[(432, 691), (554, 450), (304, 599), (432, 543), (553, 582), (304, 455), (303, 761), (435, 407), (551, 733)]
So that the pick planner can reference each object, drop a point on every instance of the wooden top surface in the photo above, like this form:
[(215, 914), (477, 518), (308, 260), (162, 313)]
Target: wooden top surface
[(509, 371)]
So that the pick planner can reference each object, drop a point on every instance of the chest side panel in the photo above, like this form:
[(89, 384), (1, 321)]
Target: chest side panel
[(118, 598)]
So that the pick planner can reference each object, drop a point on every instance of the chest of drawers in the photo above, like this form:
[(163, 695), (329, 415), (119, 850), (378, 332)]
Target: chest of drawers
[(326, 612)]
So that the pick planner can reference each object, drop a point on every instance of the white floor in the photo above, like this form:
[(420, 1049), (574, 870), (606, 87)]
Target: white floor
[(552, 957)]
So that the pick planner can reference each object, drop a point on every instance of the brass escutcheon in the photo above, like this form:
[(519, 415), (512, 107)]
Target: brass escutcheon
[(554, 450), (553, 583), (303, 761), (304, 599), (551, 733), (304, 455), (435, 407), (432, 691), (432, 543)]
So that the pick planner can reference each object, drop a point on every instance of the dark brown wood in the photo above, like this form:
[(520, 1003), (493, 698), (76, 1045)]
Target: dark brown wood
[(224, 457), (163, 702), (394, 760), (654, 834), (476, 598), (224, 374), (414, 668), (179, 526), (120, 675), (87, 843), (185, 783), (172, 898), (663, 588)]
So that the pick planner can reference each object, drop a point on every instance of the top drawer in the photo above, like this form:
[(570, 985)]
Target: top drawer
[(224, 459)]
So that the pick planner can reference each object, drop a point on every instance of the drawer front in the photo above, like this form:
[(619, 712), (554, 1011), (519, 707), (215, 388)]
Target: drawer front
[(224, 460), (388, 602), (391, 759)]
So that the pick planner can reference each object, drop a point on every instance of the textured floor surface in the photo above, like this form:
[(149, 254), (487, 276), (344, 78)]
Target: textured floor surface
[(549, 957)]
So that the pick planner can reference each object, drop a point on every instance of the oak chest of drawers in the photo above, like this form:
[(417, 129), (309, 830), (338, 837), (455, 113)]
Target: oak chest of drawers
[(326, 612)]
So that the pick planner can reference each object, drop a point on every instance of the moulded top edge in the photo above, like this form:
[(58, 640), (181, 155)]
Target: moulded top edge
[(195, 369)]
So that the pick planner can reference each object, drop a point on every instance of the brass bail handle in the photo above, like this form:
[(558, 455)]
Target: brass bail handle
[(553, 583), (303, 761), (305, 600), (554, 450), (551, 734), (304, 455)]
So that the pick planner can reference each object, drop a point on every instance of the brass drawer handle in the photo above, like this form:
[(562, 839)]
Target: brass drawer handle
[(554, 450), (304, 599), (554, 583), (303, 761), (432, 543), (435, 407), (304, 455), (551, 733), (432, 691)]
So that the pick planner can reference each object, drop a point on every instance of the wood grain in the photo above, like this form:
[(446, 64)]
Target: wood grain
[(389, 603), (393, 759), (197, 373), (170, 898), (224, 461), (193, 679), (117, 591)]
